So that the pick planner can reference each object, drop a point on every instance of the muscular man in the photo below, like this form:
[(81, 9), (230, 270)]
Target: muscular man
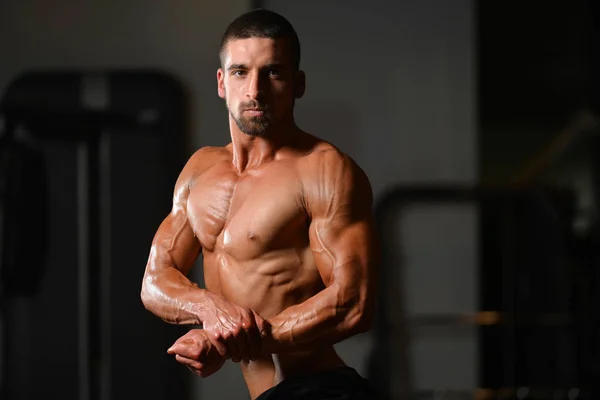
[(284, 223)]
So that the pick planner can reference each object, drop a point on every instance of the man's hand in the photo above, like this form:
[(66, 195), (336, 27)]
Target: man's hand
[(268, 344), (232, 329), (195, 351)]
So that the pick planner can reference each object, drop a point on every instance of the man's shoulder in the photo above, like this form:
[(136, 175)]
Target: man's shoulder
[(200, 161), (332, 170), (210, 154), (333, 179), (206, 157), (328, 160), (321, 151)]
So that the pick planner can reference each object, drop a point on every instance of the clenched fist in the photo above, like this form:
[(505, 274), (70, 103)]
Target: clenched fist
[(232, 330), (195, 351)]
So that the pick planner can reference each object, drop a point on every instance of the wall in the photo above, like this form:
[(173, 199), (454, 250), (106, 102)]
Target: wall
[(391, 83), (394, 85), (180, 37)]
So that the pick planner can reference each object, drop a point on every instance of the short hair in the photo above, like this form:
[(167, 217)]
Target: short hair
[(263, 24)]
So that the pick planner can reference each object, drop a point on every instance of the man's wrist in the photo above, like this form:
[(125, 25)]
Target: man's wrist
[(200, 306)]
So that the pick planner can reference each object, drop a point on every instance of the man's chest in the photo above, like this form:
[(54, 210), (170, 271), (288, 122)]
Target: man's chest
[(250, 214)]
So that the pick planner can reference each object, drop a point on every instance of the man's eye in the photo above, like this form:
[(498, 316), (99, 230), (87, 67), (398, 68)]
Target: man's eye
[(274, 72), (238, 73)]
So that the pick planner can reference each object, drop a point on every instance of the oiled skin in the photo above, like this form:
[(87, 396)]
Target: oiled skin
[(284, 224)]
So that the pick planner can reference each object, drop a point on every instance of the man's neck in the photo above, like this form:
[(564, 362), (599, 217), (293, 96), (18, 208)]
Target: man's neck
[(252, 151)]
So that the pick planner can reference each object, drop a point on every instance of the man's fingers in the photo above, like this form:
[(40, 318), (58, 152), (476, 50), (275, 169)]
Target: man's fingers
[(184, 340), (175, 347), (232, 346), (254, 343), (220, 344), (243, 343), (258, 334), (188, 361), (192, 351), (194, 365)]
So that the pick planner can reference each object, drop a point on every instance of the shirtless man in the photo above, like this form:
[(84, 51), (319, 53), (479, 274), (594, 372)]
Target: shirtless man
[(284, 223)]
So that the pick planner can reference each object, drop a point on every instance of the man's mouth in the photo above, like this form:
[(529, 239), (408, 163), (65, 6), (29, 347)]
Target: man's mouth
[(255, 111)]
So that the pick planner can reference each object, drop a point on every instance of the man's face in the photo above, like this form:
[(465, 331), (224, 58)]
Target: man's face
[(259, 83)]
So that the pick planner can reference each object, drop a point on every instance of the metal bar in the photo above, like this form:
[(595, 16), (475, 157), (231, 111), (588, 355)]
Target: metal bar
[(89, 326), (493, 318), (105, 265), (4, 348), (508, 295), (94, 274), (83, 258)]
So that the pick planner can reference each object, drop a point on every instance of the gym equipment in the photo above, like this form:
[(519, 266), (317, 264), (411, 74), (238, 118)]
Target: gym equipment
[(22, 212), (111, 145), (527, 319)]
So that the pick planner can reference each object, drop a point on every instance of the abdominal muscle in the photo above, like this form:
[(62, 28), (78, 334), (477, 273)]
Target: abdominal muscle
[(268, 286)]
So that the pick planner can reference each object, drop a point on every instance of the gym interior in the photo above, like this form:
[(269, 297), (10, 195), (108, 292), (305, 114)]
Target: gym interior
[(476, 122)]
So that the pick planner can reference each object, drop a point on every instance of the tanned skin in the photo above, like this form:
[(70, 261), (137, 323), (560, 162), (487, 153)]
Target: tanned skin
[(284, 224)]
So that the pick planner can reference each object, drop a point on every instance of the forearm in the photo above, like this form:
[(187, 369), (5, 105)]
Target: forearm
[(172, 297), (326, 318)]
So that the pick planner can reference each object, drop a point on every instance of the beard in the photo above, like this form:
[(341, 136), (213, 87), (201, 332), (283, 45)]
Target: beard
[(254, 125)]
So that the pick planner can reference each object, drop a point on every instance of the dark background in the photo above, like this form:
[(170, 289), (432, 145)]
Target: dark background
[(476, 122)]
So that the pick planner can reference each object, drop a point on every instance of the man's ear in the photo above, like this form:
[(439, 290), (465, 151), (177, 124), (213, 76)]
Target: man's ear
[(300, 86), (221, 83)]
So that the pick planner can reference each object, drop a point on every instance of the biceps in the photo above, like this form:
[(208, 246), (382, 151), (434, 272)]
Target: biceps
[(174, 245), (344, 253)]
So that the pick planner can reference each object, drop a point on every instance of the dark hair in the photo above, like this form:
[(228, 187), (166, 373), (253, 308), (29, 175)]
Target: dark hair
[(263, 24)]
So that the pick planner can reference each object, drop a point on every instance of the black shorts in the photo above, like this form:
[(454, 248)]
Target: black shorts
[(340, 383)]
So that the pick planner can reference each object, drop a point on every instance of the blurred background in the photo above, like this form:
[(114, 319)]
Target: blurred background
[(476, 121)]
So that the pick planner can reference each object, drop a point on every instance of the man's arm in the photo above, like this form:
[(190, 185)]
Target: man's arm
[(342, 238), (166, 291), (170, 295)]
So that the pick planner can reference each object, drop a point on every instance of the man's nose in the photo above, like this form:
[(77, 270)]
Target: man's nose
[(255, 87)]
